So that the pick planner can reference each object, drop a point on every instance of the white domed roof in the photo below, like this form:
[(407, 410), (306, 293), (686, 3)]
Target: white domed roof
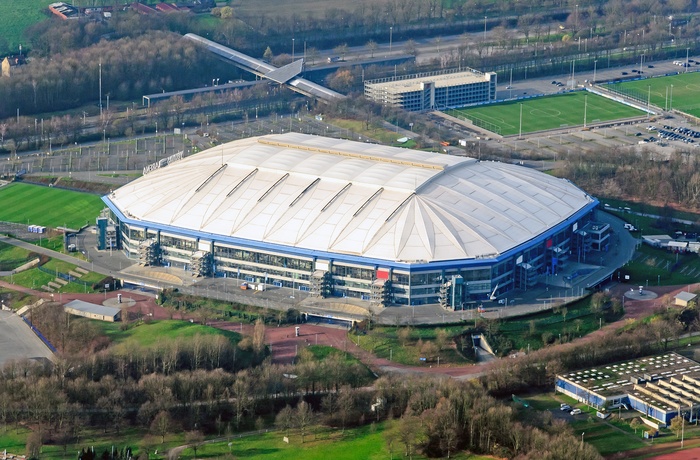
[(338, 196)]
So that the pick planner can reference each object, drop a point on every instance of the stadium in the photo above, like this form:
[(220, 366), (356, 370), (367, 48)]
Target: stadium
[(340, 218)]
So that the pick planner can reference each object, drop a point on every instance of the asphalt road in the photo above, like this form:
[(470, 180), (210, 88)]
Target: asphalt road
[(17, 341)]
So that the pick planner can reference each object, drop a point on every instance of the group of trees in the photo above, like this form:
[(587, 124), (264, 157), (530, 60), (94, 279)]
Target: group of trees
[(129, 68), (624, 173)]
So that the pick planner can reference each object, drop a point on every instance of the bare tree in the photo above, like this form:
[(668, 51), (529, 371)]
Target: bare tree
[(304, 417), (161, 425), (195, 440), (372, 47), (259, 336), (285, 419)]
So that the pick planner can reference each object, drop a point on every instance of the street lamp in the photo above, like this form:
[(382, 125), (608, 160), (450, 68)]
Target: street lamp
[(582, 439), (595, 65), (485, 29), (391, 33), (686, 58), (292, 50)]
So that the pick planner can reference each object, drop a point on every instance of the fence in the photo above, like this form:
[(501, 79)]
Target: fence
[(40, 335), (66, 276)]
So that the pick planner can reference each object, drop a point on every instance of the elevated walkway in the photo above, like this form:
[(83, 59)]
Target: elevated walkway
[(283, 75)]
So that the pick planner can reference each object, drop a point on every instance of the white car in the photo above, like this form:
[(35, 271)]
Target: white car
[(575, 412)]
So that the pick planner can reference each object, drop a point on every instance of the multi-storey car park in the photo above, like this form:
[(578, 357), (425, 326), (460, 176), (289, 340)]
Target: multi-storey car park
[(434, 90), (343, 218)]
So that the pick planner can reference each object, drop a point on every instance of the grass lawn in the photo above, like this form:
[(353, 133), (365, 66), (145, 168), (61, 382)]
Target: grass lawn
[(17, 16), (384, 343), (657, 266), (647, 209), (35, 278), (14, 439), (547, 112), (321, 352), (148, 334), (527, 331), (366, 442), (383, 135), (12, 257), (685, 93), (51, 207)]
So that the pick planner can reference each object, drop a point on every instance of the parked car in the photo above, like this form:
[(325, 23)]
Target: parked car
[(565, 407), (575, 412)]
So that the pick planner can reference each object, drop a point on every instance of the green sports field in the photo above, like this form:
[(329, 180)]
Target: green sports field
[(684, 97), (50, 207), (547, 112), (15, 17)]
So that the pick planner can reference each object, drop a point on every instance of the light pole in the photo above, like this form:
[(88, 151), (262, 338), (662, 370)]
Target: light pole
[(582, 439), (520, 133), (485, 29), (595, 65), (292, 50), (391, 36), (686, 58), (670, 104)]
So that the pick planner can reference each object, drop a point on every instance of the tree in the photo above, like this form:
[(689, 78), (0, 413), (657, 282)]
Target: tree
[(403, 335), (411, 434), (195, 439), (285, 419), (226, 12), (342, 50), (267, 55), (677, 425), (312, 54), (346, 404), (440, 339), (34, 443), (598, 301), (564, 313), (372, 47), (411, 47), (635, 423), (429, 350), (259, 336), (304, 417), (341, 80), (161, 425)]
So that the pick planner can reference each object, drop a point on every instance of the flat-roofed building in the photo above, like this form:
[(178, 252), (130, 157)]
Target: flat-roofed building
[(433, 90), (660, 387), (683, 298), (92, 311)]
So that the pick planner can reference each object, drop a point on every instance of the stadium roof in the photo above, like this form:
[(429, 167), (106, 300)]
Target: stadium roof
[(338, 196)]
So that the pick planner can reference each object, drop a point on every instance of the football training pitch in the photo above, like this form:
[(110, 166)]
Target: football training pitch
[(50, 207), (680, 92), (547, 112)]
